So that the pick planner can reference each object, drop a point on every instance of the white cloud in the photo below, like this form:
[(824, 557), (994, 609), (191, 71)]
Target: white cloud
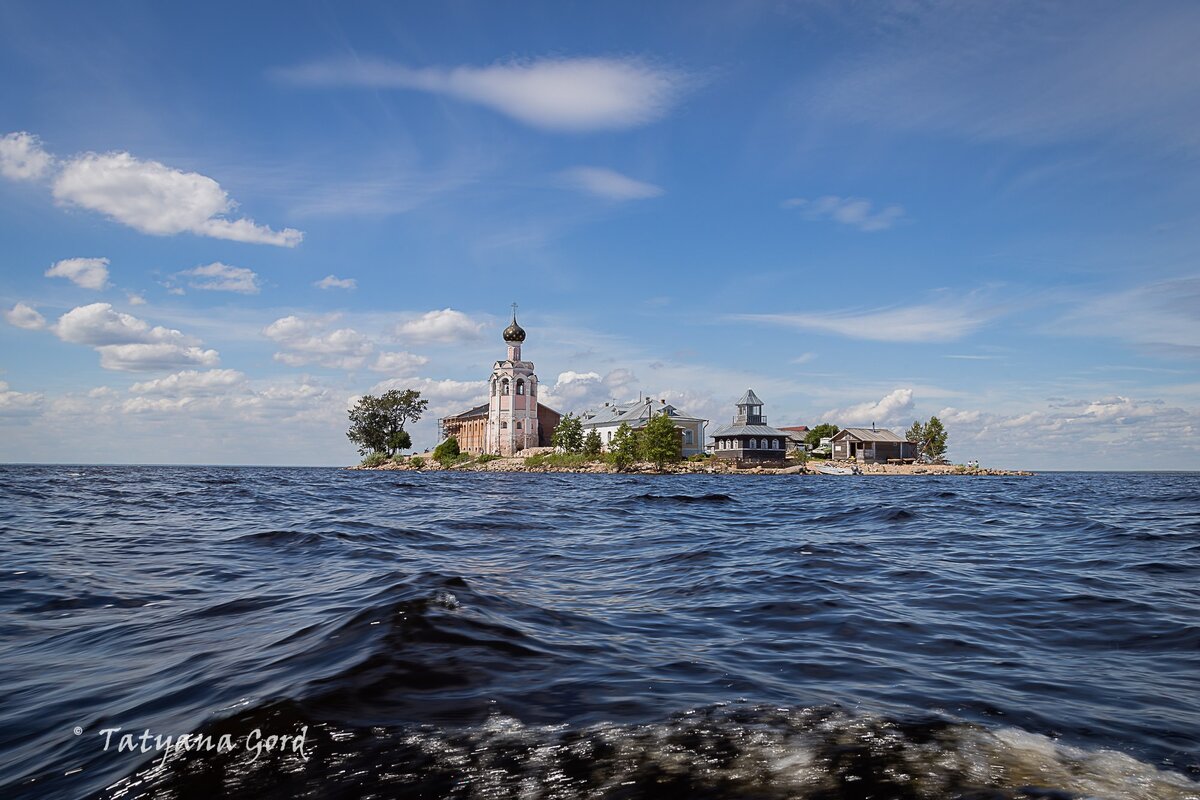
[(446, 325), (129, 344), (23, 316), (853, 211), (218, 277), (934, 322), (192, 382), (1162, 317), (22, 157), (90, 273), (570, 94), (156, 199), (894, 408), (135, 299), (609, 184), (18, 404), (307, 341), (334, 282), (576, 391), (398, 363)]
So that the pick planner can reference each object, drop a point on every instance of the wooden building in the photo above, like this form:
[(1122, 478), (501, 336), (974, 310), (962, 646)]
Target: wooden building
[(872, 446), (749, 438)]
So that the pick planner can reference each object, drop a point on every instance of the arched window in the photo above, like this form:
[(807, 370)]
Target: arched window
[(504, 387), (774, 444), (520, 386), (753, 444), (503, 425), (764, 444), (532, 387), (518, 424), (493, 387)]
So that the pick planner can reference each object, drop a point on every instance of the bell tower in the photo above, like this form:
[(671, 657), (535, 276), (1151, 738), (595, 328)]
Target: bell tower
[(512, 398)]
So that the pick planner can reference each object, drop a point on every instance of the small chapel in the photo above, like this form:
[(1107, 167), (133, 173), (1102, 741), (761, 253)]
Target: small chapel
[(512, 419)]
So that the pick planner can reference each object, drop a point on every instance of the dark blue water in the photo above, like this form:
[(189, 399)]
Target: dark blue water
[(517, 635)]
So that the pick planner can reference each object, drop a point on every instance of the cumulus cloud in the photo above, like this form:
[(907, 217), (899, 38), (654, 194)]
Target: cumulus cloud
[(568, 94), (90, 273), (22, 157), (446, 325), (153, 198), (135, 299), (608, 183), (218, 277), (129, 344), (933, 322), (309, 341), (894, 408), (23, 316), (398, 363), (334, 282), (192, 382), (852, 211), (18, 404), (576, 391)]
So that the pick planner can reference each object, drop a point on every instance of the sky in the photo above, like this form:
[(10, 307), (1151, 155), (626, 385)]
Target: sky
[(221, 223)]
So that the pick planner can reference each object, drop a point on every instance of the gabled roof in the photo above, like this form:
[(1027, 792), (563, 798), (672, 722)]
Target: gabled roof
[(749, 398), (868, 435)]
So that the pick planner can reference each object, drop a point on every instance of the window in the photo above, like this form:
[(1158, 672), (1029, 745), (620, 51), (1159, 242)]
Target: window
[(518, 425), (493, 387), (532, 387), (774, 444), (503, 426), (764, 444), (753, 444), (520, 386), (687, 437), (504, 387)]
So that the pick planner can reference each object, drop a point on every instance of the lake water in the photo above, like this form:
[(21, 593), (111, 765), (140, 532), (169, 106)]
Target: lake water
[(562, 636)]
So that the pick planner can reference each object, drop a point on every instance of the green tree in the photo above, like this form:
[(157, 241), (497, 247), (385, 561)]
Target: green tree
[(377, 423), (825, 430), (623, 449), (591, 443), (660, 441), (447, 452), (935, 440), (568, 436), (930, 439)]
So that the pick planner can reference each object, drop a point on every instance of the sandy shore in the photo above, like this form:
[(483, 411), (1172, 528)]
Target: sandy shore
[(710, 466)]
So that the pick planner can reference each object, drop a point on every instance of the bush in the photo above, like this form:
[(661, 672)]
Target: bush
[(416, 462), (447, 452), (699, 457), (486, 457), (375, 460), (559, 460)]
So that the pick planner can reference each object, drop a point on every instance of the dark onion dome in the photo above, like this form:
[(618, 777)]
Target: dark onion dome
[(514, 333)]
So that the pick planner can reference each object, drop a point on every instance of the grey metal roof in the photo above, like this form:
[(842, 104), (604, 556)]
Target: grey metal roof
[(869, 435), (747, 430), (635, 414), (477, 411), (749, 398)]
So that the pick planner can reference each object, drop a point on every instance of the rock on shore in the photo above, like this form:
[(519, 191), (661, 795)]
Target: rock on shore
[(712, 466)]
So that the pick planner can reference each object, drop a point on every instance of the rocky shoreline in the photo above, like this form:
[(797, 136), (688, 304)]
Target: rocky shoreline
[(711, 466)]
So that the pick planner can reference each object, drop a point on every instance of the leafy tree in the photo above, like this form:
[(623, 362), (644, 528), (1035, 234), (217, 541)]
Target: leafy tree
[(825, 430), (623, 449), (935, 440), (591, 443), (930, 439), (660, 441), (447, 452), (377, 423), (568, 436)]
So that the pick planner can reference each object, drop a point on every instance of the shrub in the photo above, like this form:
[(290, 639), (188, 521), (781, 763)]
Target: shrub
[(447, 452), (416, 462), (486, 457), (699, 457), (375, 460)]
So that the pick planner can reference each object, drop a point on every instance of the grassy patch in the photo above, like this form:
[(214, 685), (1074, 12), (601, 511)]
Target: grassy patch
[(375, 460)]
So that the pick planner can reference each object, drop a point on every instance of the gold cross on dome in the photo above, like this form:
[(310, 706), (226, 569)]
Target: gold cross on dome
[(514, 307)]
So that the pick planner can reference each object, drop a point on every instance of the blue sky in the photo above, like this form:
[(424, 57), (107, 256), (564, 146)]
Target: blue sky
[(222, 223)]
